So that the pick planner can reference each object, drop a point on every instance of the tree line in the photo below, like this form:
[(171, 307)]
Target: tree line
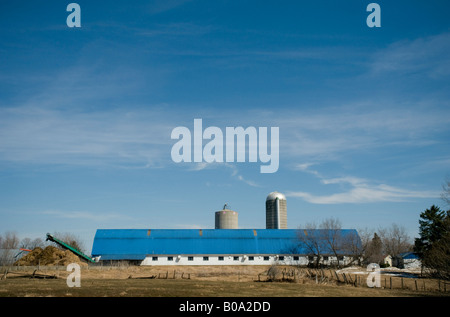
[(360, 247), (432, 246)]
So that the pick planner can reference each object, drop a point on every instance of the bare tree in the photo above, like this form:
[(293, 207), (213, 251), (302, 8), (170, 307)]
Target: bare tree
[(8, 245), (332, 236), (71, 240), (330, 239), (27, 243), (365, 238), (395, 240), (354, 246), (314, 243), (10, 241)]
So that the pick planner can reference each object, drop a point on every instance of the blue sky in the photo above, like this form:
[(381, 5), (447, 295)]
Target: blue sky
[(86, 113)]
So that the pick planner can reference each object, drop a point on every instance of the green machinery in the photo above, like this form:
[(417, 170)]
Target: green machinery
[(70, 248)]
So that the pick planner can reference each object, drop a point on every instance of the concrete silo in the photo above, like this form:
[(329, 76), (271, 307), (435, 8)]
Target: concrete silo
[(226, 219), (276, 213)]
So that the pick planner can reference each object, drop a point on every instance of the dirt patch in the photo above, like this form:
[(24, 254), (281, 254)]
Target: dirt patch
[(49, 256)]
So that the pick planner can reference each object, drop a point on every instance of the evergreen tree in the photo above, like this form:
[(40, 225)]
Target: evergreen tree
[(437, 258), (433, 246), (431, 226), (374, 252)]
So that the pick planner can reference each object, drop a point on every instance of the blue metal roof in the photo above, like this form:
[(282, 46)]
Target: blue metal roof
[(409, 255), (136, 244)]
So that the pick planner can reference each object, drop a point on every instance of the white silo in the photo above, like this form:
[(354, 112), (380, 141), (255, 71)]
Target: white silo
[(276, 211)]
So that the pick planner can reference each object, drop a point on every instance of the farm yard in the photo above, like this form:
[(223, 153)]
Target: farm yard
[(214, 281)]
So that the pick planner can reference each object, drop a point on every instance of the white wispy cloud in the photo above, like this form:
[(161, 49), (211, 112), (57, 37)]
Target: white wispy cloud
[(427, 55), (248, 182), (365, 193), (235, 174), (56, 136), (57, 125), (86, 115), (201, 166), (305, 167), (141, 137), (332, 132), (361, 191)]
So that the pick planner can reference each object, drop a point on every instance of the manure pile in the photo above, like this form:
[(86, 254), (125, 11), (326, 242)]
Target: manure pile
[(49, 256)]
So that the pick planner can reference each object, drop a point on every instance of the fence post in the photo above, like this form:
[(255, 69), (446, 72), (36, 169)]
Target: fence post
[(337, 276), (350, 278)]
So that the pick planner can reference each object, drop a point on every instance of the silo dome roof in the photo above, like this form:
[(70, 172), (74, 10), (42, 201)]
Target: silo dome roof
[(275, 195)]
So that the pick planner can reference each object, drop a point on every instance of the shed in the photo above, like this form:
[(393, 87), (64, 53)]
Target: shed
[(408, 260)]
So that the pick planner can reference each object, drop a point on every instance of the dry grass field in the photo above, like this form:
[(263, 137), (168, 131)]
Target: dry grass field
[(185, 288), (211, 281)]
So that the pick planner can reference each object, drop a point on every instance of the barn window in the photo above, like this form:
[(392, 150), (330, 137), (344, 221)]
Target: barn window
[(206, 258), (266, 258), (154, 258), (170, 258), (190, 258), (220, 258)]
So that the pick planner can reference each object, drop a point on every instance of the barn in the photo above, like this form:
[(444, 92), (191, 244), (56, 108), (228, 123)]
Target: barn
[(215, 246), (228, 245)]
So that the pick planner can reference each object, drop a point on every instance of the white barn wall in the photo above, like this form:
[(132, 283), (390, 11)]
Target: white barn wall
[(227, 260), (258, 259)]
